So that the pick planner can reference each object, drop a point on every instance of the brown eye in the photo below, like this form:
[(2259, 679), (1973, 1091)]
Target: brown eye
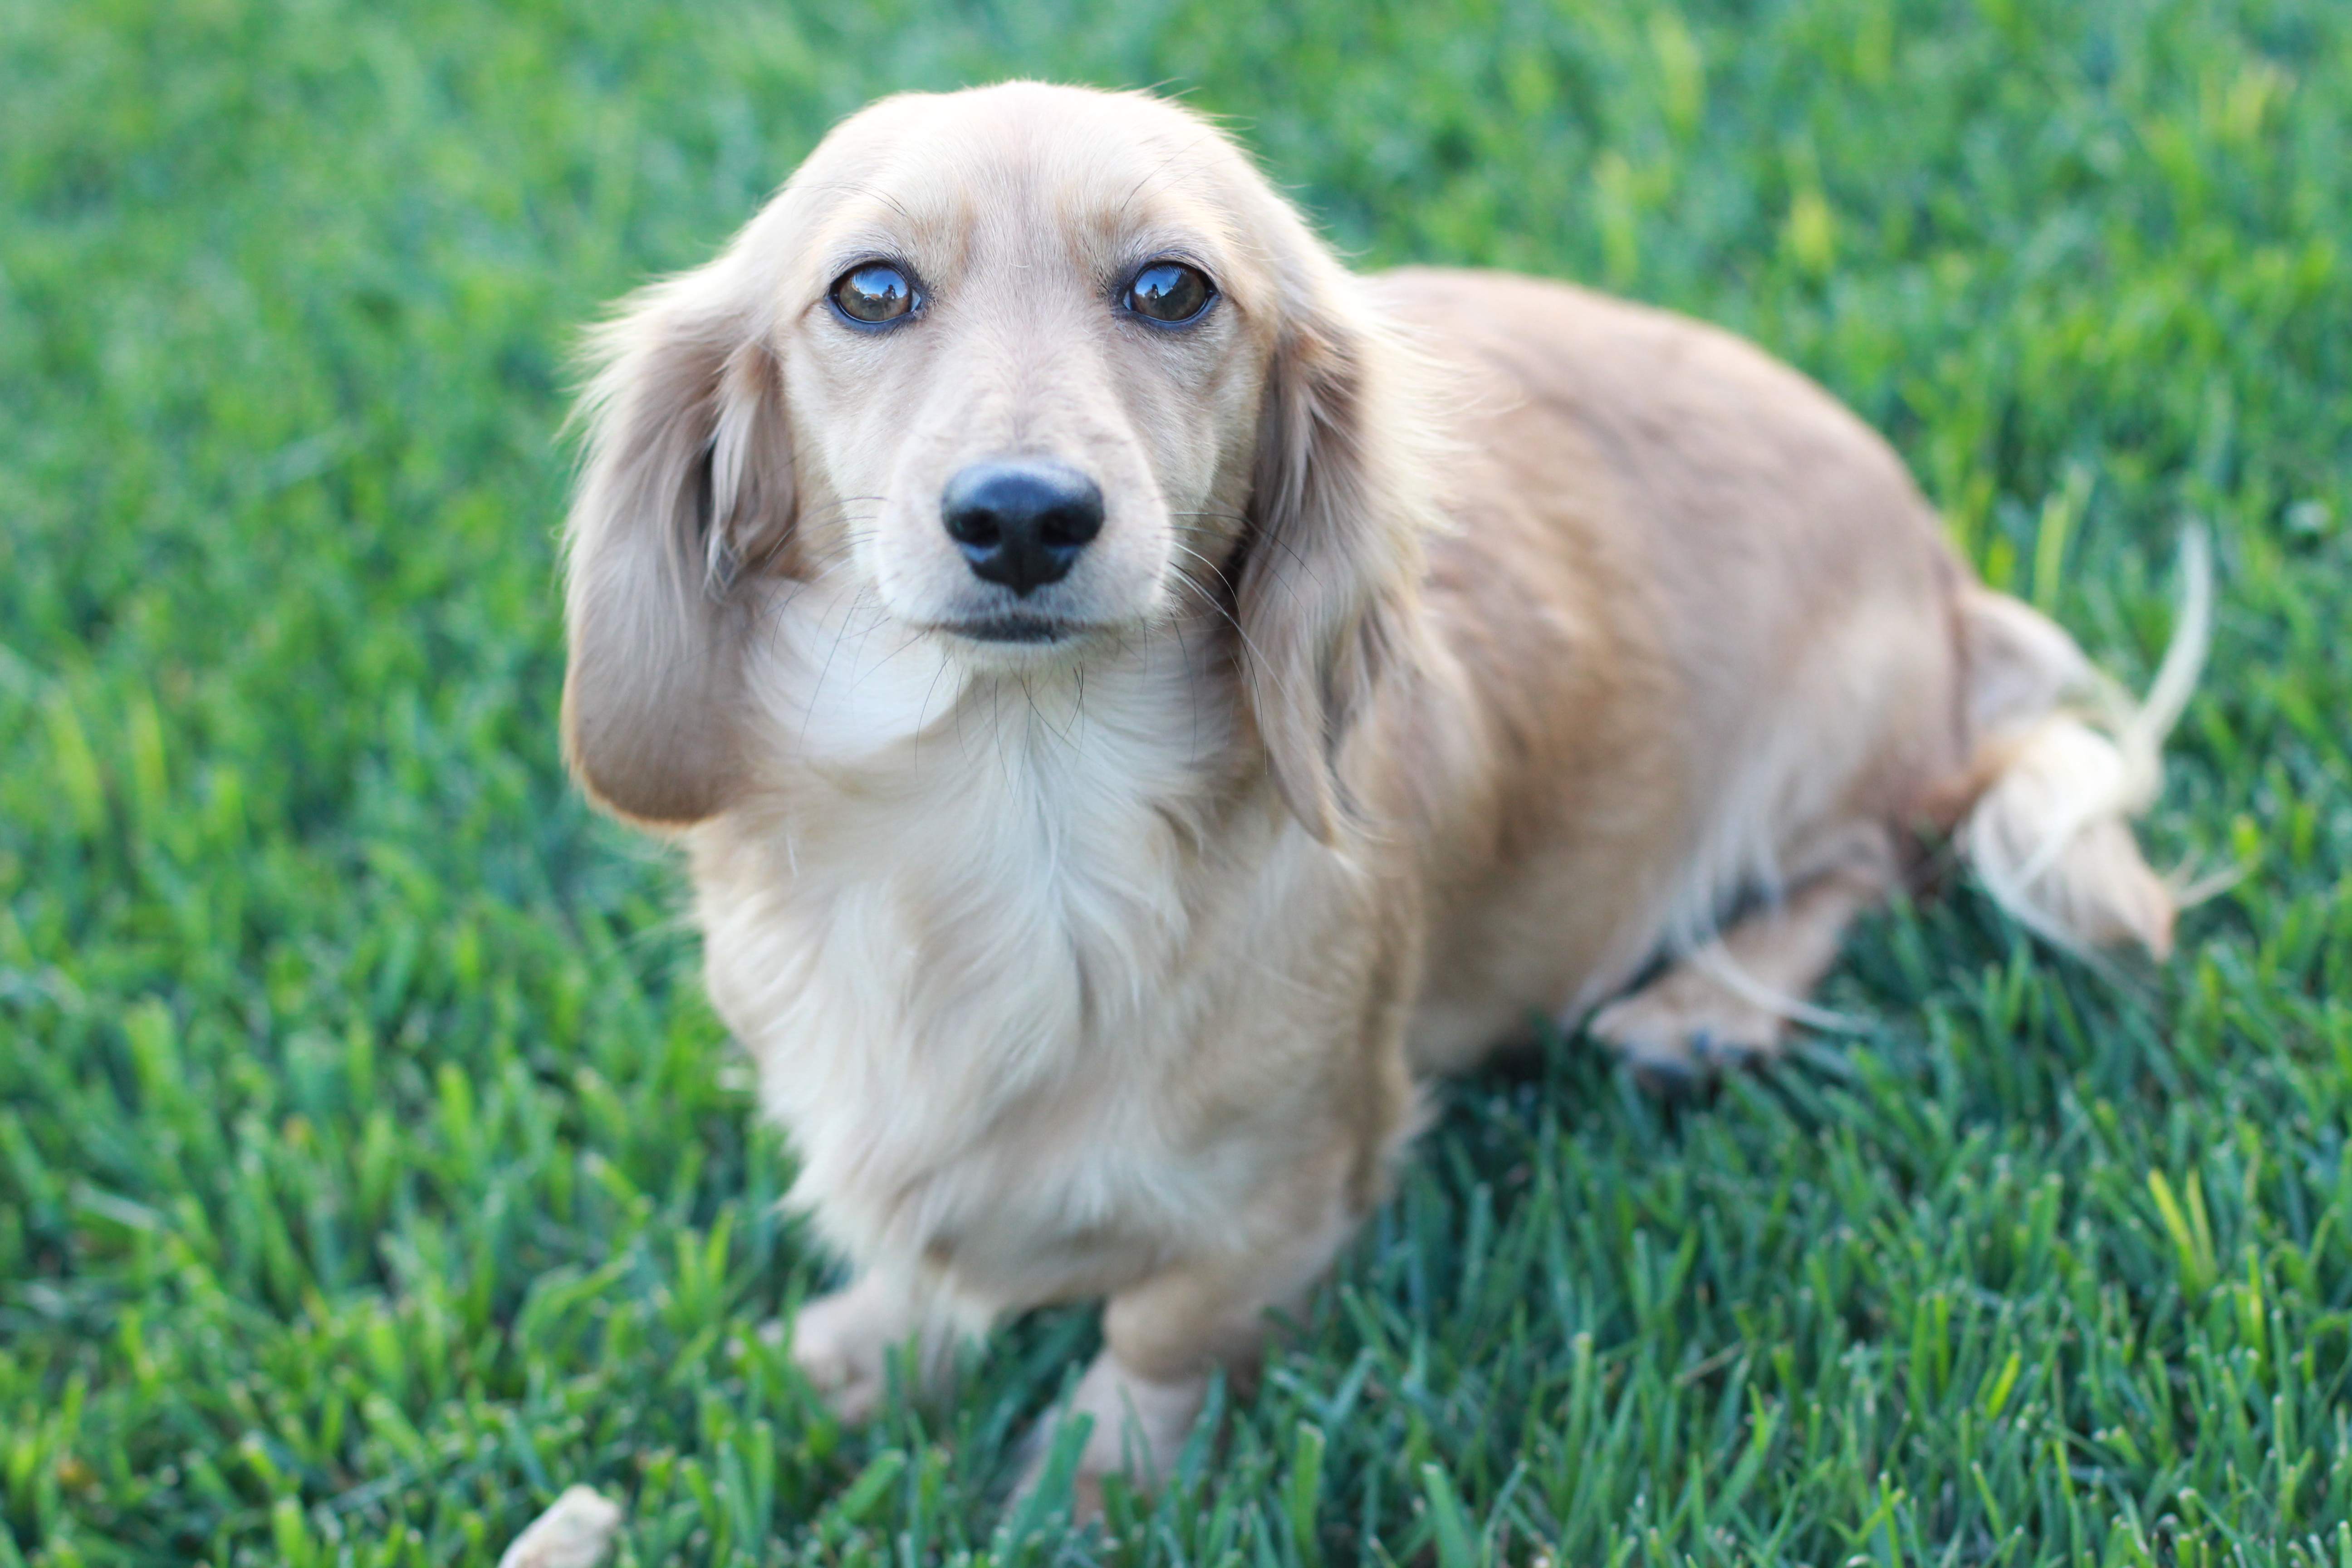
[(874, 294), (1170, 292)]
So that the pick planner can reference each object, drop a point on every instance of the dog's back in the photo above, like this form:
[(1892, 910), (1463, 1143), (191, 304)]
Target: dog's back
[(1706, 620), (1705, 643)]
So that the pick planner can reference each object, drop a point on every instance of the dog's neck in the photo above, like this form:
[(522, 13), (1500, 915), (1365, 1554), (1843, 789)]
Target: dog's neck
[(1067, 799), (959, 890)]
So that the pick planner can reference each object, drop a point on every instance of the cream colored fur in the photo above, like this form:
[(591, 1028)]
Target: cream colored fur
[(1456, 646), (2050, 836)]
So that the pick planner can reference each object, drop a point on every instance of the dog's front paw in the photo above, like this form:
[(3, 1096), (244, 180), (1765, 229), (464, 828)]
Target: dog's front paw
[(836, 1349), (1685, 1029), (844, 1344), (1138, 1429)]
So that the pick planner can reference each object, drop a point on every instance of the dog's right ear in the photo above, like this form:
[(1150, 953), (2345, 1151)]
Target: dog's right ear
[(686, 473)]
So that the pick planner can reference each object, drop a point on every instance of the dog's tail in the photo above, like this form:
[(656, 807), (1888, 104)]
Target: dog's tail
[(2066, 758)]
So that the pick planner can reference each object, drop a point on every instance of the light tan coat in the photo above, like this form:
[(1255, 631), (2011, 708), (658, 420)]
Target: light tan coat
[(1455, 645)]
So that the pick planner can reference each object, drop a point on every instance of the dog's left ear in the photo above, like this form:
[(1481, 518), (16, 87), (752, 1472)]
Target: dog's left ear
[(1340, 509)]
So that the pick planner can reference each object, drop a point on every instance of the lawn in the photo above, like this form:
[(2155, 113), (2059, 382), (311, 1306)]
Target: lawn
[(372, 1167)]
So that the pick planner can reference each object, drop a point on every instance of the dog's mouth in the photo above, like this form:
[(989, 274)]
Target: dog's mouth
[(1032, 630)]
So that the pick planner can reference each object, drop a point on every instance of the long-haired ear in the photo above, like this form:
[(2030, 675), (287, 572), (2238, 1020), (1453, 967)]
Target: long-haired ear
[(1329, 597), (686, 474)]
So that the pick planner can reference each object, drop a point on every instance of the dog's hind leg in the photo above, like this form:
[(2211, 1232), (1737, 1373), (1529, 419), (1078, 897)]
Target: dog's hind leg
[(1730, 1003)]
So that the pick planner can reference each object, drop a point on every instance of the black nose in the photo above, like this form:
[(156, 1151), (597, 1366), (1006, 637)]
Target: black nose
[(1021, 522)]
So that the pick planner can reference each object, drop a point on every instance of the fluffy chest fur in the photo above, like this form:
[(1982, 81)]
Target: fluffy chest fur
[(958, 941)]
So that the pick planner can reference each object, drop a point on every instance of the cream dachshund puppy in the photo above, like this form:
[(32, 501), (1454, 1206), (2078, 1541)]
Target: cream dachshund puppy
[(1135, 697)]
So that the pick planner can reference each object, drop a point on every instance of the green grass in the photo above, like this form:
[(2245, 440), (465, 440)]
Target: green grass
[(371, 1166)]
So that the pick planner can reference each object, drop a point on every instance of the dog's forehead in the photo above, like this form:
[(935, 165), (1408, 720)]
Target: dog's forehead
[(1024, 167)]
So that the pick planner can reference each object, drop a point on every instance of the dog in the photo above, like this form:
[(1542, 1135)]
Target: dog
[(1137, 699)]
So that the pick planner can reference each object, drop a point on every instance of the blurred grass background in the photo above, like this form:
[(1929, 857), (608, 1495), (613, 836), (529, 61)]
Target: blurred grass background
[(370, 1167)]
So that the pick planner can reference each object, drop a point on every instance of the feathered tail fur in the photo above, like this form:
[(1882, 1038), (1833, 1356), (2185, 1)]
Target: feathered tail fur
[(2072, 758)]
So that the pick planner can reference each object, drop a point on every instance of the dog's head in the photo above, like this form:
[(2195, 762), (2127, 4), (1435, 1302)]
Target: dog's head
[(1034, 369)]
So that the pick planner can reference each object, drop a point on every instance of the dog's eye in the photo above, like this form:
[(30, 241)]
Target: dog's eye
[(1170, 292), (874, 293)]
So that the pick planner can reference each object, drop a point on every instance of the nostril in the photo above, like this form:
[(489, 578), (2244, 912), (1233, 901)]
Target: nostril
[(975, 526), (1074, 522)]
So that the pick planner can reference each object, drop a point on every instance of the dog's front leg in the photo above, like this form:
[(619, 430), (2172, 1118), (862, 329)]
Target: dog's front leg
[(843, 1342), (1165, 1337)]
